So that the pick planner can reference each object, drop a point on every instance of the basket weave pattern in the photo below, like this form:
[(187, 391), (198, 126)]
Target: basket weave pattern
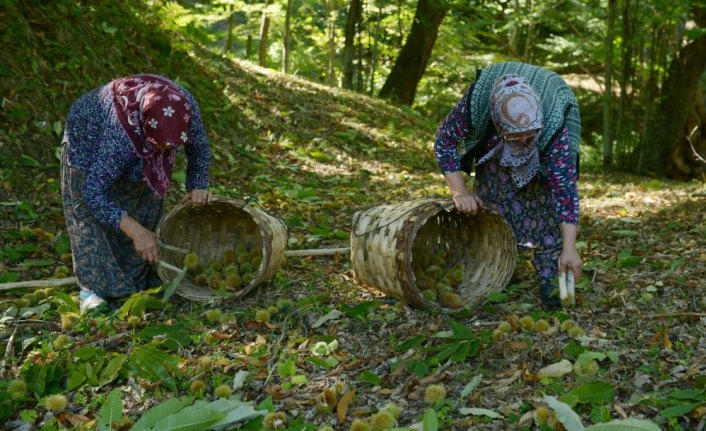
[(209, 230), (384, 240)]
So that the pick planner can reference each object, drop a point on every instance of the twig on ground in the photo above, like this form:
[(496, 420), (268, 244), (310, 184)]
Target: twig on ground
[(676, 314)]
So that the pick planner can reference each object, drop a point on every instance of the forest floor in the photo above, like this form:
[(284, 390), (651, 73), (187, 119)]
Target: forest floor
[(640, 309)]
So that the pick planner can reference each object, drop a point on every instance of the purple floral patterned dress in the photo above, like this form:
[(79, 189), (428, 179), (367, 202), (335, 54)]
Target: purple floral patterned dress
[(102, 180), (535, 211)]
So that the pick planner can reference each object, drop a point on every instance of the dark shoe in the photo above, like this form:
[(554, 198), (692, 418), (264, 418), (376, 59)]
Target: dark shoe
[(550, 296)]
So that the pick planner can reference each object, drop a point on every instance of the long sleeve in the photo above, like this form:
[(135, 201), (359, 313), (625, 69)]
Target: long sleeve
[(112, 159), (559, 165), (198, 152), (452, 131)]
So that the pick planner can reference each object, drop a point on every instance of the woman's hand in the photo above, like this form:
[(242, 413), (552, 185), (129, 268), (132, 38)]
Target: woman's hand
[(145, 241), (569, 258), (467, 202), (198, 197)]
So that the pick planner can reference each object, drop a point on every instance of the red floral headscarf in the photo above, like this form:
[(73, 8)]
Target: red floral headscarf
[(156, 118)]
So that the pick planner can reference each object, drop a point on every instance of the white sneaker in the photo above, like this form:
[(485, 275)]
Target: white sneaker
[(88, 301)]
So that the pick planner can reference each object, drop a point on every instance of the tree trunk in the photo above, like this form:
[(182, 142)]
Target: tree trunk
[(626, 75), (677, 98), (248, 47), (352, 21), (374, 57), (229, 40), (608, 96), (264, 30), (287, 37), (401, 83), (331, 16)]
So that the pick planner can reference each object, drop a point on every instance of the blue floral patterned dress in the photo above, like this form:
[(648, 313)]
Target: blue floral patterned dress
[(102, 181)]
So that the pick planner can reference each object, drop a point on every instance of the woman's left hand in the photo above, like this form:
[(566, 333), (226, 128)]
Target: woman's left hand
[(198, 197), (570, 260)]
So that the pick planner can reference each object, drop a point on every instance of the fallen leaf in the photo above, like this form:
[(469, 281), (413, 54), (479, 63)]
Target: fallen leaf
[(343, 403)]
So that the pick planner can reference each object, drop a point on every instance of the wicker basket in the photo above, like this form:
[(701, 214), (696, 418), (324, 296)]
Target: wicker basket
[(209, 230), (386, 239)]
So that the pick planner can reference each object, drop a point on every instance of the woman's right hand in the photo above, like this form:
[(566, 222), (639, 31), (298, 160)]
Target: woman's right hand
[(144, 240), (467, 202)]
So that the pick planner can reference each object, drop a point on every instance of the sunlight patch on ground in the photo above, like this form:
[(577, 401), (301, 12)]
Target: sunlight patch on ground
[(632, 199)]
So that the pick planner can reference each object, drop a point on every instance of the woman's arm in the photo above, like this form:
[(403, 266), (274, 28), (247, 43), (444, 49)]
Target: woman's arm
[(451, 133), (562, 173)]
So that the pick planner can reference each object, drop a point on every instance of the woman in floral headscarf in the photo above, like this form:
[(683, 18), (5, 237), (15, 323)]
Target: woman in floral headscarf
[(118, 153), (519, 125)]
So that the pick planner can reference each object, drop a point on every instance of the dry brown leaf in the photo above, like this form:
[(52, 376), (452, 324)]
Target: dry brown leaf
[(698, 412), (343, 403)]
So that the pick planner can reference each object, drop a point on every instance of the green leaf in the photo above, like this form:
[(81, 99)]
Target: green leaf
[(497, 297), (111, 411), (471, 386), (419, 368), (46, 378), (412, 342), (678, 410), (287, 368), (627, 260), (192, 418), (564, 413), (596, 393), (68, 304), (110, 372), (429, 421), (443, 355), (173, 337), (587, 357), (458, 332), (29, 161), (625, 232), (172, 287), (63, 245), (76, 378), (370, 377), (467, 349), (158, 412), (328, 362), (155, 365), (687, 394), (600, 414), (363, 309), (625, 425)]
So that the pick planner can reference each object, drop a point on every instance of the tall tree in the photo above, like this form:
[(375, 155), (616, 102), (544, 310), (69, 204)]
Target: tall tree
[(409, 67), (352, 20), (374, 50), (264, 30), (287, 37), (608, 96), (677, 98), (627, 72), (331, 13), (229, 41)]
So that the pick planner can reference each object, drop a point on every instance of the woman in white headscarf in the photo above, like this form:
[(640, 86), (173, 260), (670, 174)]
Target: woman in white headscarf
[(520, 125)]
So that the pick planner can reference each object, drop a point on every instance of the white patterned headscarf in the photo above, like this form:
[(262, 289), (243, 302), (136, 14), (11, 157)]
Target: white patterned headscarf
[(516, 112)]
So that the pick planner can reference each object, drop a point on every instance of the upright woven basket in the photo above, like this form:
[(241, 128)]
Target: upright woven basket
[(386, 239), (209, 230)]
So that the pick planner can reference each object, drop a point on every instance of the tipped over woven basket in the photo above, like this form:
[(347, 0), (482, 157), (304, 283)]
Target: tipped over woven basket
[(209, 230), (386, 239)]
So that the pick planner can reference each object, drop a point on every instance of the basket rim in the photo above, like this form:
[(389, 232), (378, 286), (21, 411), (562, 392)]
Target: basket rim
[(425, 209), (191, 291)]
